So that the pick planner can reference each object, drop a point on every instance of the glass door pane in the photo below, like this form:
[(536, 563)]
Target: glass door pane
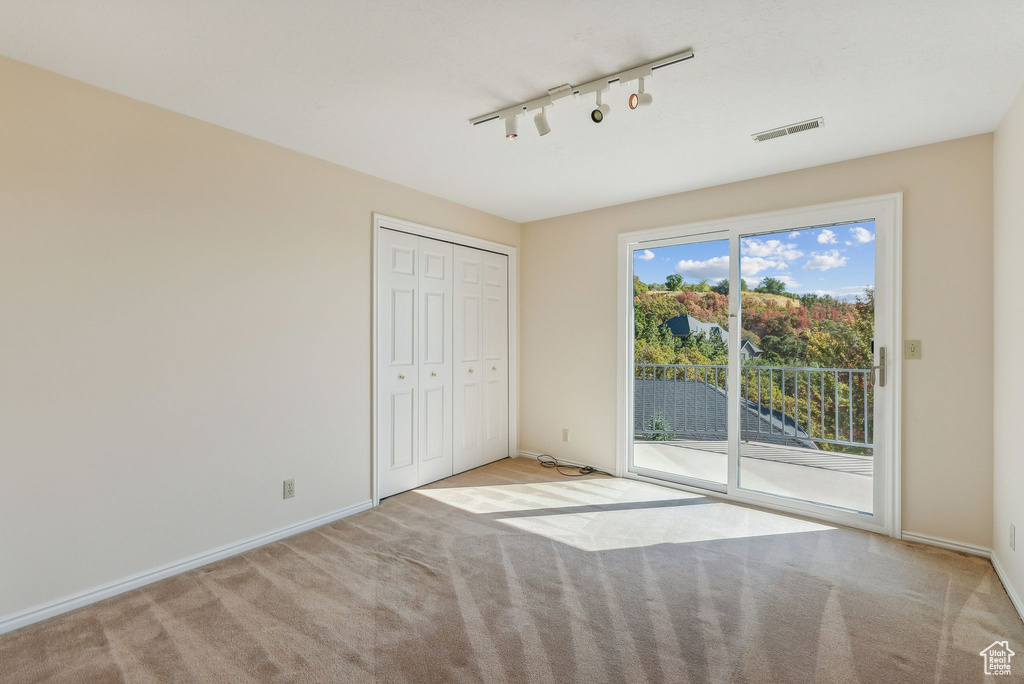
[(806, 396), (681, 351)]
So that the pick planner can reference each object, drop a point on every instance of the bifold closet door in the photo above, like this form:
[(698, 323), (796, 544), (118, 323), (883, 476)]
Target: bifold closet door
[(435, 350), (481, 358), (414, 361)]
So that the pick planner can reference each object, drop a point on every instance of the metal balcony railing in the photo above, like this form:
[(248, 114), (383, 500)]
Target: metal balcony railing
[(798, 406)]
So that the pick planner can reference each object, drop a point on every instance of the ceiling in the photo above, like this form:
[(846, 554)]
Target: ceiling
[(388, 87)]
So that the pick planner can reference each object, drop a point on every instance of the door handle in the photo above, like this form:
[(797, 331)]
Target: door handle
[(494, 368), (880, 368), (401, 377), (433, 375), (470, 370)]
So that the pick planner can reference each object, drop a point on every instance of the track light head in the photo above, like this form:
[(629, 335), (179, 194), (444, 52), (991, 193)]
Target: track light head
[(640, 98), (540, 120), (600, 111), (512, 127)]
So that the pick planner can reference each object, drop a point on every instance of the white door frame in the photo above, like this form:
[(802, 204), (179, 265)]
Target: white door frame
[(887, 210), (380, 221)]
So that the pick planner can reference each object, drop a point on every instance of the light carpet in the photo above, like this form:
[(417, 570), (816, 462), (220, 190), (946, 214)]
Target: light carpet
[(513, 573)]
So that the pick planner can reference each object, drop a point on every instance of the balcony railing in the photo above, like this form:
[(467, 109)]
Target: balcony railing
[(798, 406)]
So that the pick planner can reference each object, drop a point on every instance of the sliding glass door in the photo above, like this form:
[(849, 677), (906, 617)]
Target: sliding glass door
[(681, 362), (806, 385), (757, 364)]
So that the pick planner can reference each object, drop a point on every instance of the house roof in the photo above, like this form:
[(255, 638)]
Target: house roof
[(685, 325)]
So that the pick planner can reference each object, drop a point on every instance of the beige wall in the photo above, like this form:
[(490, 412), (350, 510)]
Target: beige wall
[(568, 325), (1009, 331), (184, 323)]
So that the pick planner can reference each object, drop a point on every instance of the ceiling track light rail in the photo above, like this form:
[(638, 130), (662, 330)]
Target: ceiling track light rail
[(510, 115)]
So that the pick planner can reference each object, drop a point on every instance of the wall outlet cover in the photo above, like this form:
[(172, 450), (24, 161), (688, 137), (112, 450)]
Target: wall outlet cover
[(565, 434), (289, 488)]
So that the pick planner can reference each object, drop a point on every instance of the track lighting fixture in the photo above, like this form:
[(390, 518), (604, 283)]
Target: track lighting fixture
[(640, 98), (512, 127), (600, 111), (540, 120)]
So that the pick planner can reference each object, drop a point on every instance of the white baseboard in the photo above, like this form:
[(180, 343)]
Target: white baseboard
[(9, 623), (1011, 591), (972, 549), (561, 461)]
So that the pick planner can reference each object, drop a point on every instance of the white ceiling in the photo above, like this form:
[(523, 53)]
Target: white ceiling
[(387, 87)]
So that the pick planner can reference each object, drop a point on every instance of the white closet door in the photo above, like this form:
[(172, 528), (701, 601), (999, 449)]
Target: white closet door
[(468, 432), (435, 356), (397, 352), (494, 334), (481, 357)]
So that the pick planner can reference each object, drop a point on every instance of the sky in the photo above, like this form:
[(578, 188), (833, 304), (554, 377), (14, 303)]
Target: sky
[(834, 260)]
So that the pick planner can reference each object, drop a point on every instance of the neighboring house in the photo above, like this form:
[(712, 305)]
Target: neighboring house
[(749, 350), (685, 325)]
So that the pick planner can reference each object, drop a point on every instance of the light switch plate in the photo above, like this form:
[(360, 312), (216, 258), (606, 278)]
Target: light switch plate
[(911, 349)]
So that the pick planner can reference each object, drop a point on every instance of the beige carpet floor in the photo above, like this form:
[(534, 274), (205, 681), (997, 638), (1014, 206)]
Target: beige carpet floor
[(512, 573)]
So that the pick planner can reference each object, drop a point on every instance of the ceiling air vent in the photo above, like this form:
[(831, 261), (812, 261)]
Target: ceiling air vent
[(788, 130)]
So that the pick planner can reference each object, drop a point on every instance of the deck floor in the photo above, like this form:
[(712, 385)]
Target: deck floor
[(830, 460), (829, 478)]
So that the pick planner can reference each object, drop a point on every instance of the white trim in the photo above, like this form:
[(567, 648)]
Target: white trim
[(1011, 591), (380, 221), (974, 550), (963, 547), (23, 619), (888, 213)]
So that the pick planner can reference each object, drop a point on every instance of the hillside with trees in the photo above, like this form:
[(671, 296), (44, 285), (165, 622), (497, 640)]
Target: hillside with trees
[(793, 331)]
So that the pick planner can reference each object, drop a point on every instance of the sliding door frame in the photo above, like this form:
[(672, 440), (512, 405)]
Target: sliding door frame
[(382, 222), (887, 211)]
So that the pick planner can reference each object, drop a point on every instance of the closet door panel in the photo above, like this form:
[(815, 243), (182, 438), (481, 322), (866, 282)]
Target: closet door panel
[(494, 293), (468, 366), (397, 371), (435, 360)]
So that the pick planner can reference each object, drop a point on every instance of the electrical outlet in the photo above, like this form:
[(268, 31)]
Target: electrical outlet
[(911, 349), (565, 434), (1013, 537), (289, 489)]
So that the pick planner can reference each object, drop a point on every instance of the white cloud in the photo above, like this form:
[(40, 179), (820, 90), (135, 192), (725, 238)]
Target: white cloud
[(861, 235), (848, 243), (713, 269), (645, 255), (843, 294), (827, 237), (771, 248), (823, 261), (751, 266), (794, 235)]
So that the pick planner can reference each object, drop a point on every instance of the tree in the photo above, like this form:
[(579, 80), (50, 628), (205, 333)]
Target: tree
[(674, 282), (639, 287), (702, 286), (771, 286), (723, 286)]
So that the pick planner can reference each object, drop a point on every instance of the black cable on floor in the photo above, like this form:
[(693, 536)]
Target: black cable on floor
[(549, 461)]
